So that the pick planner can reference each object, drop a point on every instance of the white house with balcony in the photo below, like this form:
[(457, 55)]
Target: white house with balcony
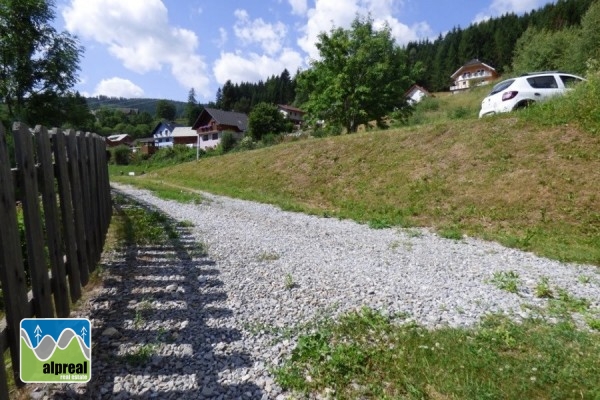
[(472, 74)]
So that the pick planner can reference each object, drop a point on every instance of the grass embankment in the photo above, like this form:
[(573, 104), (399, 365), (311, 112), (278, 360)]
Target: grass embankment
[(503, 179)]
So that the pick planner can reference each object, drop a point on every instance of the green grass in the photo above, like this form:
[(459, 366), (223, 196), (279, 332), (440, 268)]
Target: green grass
[(368, 355)]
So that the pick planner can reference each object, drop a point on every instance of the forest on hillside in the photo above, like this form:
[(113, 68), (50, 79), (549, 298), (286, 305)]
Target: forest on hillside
[(492, 41)]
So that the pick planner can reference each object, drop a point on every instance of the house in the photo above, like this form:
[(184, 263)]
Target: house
[(474, 73), (117, 140), (212, 123), (294, 114), (146, 146), (163, 133), (415, 94), (185, 135)]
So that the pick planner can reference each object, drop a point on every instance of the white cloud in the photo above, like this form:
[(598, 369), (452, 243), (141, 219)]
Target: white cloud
[(328, 14), (222, 38), (137, 32), (501, 7), (268, 36), (118, 87), (299, 7), (254, 67)]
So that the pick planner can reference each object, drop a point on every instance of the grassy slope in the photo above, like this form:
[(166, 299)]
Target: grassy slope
[(501, 178)]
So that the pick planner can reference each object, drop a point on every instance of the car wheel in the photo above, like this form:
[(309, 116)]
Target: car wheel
[(523, 104)]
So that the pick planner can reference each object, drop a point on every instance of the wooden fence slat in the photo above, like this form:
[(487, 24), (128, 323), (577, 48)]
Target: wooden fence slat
[(53, 232), (107, 200), (38, 271), (66, 207), (77, 201), (93, 184), (12, 273), (84, 173), (4, 393)]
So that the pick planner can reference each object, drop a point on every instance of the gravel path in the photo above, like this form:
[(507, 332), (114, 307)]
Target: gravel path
[(213, 325)]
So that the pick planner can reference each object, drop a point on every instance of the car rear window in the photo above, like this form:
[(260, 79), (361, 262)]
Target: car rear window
[(569, 80), (543, 82), (501, 86)]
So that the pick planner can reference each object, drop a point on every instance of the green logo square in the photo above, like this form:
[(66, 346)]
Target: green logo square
[(56, 350)]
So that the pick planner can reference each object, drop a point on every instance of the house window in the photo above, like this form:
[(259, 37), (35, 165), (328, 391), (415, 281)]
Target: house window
[(205, 137), (215, 136)]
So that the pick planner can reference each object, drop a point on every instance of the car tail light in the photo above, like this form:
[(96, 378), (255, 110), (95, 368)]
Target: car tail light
[(509, 95)]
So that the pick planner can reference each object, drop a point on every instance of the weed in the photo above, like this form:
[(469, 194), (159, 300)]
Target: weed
[(451, 232), (185, 224), (542, 289), (413, 233), (138, 320), (506, 280), (585, 279), (266, 256), (564, 303), (289, 281), (141, 355), (593, 323)]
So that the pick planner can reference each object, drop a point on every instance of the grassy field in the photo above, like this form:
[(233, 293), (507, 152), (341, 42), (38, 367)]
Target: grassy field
[(527, 180), (506, 178)]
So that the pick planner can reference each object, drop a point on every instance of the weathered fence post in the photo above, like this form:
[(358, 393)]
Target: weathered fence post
[(12, 273)]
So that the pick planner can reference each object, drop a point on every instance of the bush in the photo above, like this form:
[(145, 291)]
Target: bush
[(270, 139), (246, 143), (122, 155), (228, 142)]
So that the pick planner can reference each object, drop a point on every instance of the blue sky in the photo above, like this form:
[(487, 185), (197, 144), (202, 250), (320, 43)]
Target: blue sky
[(162, 49)]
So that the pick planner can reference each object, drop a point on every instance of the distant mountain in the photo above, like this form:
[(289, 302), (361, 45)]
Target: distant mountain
[(141, 104)]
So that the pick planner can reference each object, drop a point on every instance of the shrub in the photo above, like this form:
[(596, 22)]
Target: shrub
[(122, 155), (228, 142)]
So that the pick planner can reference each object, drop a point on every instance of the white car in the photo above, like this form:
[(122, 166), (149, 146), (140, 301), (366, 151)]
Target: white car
[(525, 90)]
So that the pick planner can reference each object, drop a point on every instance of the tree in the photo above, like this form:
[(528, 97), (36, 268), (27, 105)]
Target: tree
[(265, 118), (192, 109), (539, 50), (166, 110), (361, 76), (36, 61), (589, 43)]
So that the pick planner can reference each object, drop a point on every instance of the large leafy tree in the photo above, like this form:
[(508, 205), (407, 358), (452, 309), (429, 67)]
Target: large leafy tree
[(265, 118), (36, 62), (361, 76)]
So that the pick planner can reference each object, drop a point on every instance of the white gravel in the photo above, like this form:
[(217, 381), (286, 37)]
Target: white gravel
[(270, 271)]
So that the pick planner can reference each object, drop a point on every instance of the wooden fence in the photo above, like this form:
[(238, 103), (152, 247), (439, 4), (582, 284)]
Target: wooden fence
[(62, 178)]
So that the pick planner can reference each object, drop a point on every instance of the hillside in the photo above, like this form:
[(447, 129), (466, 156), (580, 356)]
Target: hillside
[(142, 104)]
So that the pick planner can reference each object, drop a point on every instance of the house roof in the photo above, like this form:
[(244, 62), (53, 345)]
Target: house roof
[(414, 88), (168, 125), (117, 138), (290, 108), (184, 131), (471, 63), (240, 120)]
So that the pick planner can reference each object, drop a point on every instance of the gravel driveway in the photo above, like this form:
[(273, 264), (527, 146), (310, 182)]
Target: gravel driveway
[(211, 326)]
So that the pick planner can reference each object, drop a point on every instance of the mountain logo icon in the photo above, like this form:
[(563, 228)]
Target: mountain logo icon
[(56, 350)]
